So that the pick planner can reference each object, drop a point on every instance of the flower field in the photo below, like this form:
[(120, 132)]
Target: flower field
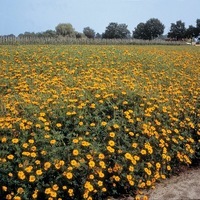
[(89, 122)]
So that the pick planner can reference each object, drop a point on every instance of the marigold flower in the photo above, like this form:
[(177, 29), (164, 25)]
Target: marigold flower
[(52, 142), (10, 157), (75, 152), (112, 134), (103, 123), (31, 178), (21, 175), (111, 143), (39, 172), (91, 163), (69, 175), (20, 190), (58, 125), (15, 140)]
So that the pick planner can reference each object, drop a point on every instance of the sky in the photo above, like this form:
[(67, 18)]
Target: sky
[(18, 16)]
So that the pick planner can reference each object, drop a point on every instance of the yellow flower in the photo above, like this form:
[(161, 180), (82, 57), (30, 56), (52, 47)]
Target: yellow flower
[(158, 165), (112, 134), (31, 141), (116, 126), (75, 141), (85, 144), (47, 191), (117, 178), (110, 149), (64, 187), (3, 139), (20, 190), (69, 175), (100, 183), (39, 172), (47, 165), (58, 125), (134, 145), (80, 123), (21, 175), (55, 187), (102, 164), (128, 156), (91, 164), (101, 156), (31, 178), (25, 145), (17, 198), (53, 194), (143, 152), (33, 154), (15, 140), (8, 197), (75, 152), (131, 182), (71, 192), (103, 123), (73, 162), (29, 169), (111, 143), (92, 124), (4, 188), (10, 157), (131, 168), (52, 142)]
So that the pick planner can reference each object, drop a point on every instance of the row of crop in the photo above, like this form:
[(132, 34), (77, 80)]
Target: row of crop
[(95, 149), (7, 40)]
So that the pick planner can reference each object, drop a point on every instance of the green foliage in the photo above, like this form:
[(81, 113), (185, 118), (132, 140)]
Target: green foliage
[(65, 29), (149, 30), (177, 31), (115, 30), (89, 33)]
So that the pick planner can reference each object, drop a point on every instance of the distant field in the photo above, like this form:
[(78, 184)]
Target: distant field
[(88, 122)]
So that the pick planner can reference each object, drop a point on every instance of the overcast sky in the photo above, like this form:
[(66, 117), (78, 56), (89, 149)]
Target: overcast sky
[(18, 16)]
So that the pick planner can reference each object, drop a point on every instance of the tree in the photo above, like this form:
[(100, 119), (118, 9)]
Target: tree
[(98, 36), (190, 32), (177, 30), (140, 32), (154, 28), (89, 33), (115, 30), (65, 30), (49, 33), (149, 30), (79, 35), (197, 28)]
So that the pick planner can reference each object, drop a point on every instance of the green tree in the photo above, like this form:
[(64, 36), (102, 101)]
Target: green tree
[(115, 30), (98, 35), (190, 32), (65, 29), (197, 28), (89, 33), (149, 30), (177, 31), (49, 33), (154, 28), (139, 32)]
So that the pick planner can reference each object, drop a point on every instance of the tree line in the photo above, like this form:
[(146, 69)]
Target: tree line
[(151, 29)]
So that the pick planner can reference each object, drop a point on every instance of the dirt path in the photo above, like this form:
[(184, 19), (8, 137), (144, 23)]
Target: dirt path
[(181, 187)]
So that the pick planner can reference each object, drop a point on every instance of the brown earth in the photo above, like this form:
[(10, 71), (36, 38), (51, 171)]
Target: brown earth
[(184, 186)]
